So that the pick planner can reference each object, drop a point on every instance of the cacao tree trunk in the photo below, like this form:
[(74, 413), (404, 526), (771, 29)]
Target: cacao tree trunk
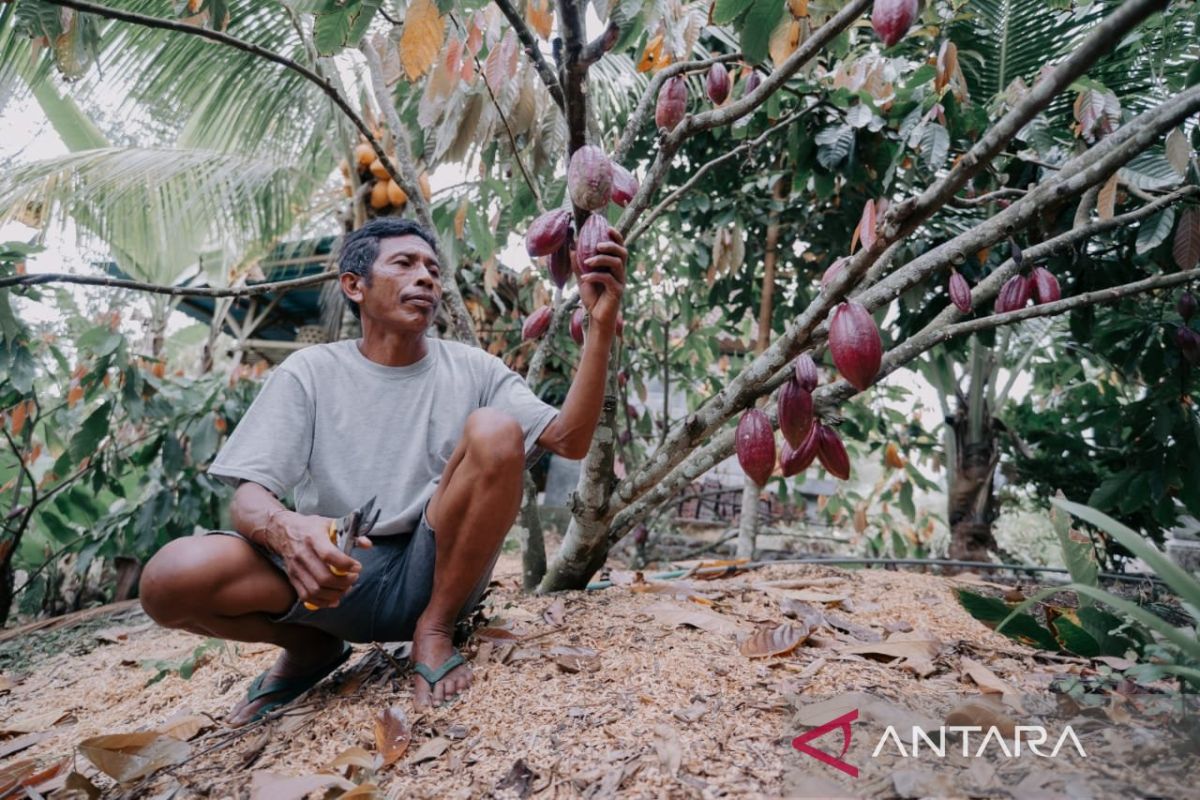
[(975, 453), (533, 551)]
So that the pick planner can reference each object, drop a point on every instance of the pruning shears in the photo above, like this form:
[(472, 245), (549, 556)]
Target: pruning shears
[(344, 532)]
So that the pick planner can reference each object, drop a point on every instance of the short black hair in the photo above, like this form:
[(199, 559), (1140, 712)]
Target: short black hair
[(361, 248)]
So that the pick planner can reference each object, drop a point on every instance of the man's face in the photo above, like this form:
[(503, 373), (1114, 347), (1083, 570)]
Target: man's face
[(405, 286)]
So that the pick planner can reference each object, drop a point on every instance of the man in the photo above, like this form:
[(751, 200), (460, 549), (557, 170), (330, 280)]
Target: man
[(438, 432)]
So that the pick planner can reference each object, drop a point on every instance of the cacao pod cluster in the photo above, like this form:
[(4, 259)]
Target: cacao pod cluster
[(1040, 285), (891, 19), (1186, 338), (384, 196)]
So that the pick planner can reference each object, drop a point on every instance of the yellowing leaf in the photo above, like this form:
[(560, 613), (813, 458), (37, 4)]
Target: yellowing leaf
[(501, 65), (541, 17), (774, 641), (1106, 200), (421, 40), (784, 40), (128, 756), (652, 55), (392, 734), (947, 65)]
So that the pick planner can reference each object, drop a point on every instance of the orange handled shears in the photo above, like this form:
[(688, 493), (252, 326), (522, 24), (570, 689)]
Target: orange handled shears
[(344, 532)]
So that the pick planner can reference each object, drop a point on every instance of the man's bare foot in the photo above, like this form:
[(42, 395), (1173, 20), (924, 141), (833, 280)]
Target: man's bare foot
[(289, 665), (433, 648)]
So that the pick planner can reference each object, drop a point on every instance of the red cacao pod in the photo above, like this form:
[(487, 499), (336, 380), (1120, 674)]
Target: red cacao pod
[(1014, 294), (559, 265), (751, 83), (891, 19), (1188, 342), (622, 379), (589, 178), (1187, 306), (832, 271), (806, 372), (672, 103), (1045, 286), (794, 460), (536, 324), (620, 329), (624, 186), (960, 292), (548, 232), (832, 452), (591, 234), (795, 409), (717, 84), (855, 344), (756, 446), (577, 326)]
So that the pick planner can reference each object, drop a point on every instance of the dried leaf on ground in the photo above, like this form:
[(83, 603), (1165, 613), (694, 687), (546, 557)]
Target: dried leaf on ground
[(353, 757), (362, 792), (810, 615), (692, 713), (6, 683), (710, 621), (912, 645), (520, 779), (669, 748), (34, 723), (984, 713), (77, 786), (128, 756), (392, 734), (575, 659), (985, 679), (270, 786), (846, 625), (497, 635), (431, 750), (555, 612), (807, 595), (22, 742), (684, 590), (774, 641), (185, 726)]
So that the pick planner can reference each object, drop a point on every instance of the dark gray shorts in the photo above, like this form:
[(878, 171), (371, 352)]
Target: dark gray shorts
[(391, 591)]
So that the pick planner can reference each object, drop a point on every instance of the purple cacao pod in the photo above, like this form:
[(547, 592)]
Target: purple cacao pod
[(591, 234), (1014, 294), (891, 19), (536, 324), (806, 372), (960, 292), (751, 83), (1188, 342), (795, 407), (559, 265), (1187, 306), (548, 232), (672, 103), (1045, 286), (855, 344), (756, 446), (832, 452), (717, 84), (624, 185), (794, 460), (832, 271), (589, 178), (577, 326)]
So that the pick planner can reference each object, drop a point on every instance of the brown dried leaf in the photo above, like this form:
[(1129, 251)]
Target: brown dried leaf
[(860, 632), (784, 40), (129, 756), (431, 750), (77, 786), (541, 17), (520, 779), (898, 647), (354, 757), (270, 786), (575, 659), (501, 64), (1179, 152), (6, 683), (811, 616), (392, 734), (947, 65), (985, 679), (488, 634), (1187, 239), (669, 748), (774, 641), (421, 40), (363, 791), (982, 712), (37, 722), (1106, 200), (808, 596), (554, 613), (185, 726), (710, 621), (22, 742)]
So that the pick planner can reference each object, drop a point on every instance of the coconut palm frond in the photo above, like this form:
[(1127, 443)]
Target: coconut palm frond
[(156, 208)]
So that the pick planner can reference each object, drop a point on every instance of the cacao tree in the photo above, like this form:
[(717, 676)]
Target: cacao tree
[(914, 149)]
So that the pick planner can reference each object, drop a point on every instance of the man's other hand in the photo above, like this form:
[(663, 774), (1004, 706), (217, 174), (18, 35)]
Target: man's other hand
[(308, 556), (600, 291)]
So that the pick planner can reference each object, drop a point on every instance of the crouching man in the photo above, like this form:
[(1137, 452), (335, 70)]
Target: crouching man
[(438, 432)]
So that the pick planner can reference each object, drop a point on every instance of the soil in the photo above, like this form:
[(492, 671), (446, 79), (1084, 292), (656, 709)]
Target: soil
[(594, 694)]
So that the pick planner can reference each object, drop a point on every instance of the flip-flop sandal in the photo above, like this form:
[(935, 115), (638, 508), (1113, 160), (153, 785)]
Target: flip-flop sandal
[(288, 689), (435, 676)]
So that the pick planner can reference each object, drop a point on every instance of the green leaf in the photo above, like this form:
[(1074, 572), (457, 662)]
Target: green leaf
[(1102, 625), (833, 145), (22, 370), (100, 341), (1073, 638), (991, 611), (337, 29), (87, 438), (1077, 555), (726, 11), (756, 28), (935, 145), (1155, 230)]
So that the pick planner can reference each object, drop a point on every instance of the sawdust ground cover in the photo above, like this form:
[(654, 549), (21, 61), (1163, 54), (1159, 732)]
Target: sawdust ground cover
[(639, 690)]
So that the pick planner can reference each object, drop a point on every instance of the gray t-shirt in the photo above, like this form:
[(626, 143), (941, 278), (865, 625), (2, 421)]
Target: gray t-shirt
[(339, 428)]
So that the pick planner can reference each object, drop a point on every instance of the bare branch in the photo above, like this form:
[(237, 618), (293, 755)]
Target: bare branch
[(984, 199), (526, 37), (249, 47), (175, 291)]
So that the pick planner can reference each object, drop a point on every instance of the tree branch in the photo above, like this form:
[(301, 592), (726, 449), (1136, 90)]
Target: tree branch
[(526, 37), (175, 291), (249, 47)]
